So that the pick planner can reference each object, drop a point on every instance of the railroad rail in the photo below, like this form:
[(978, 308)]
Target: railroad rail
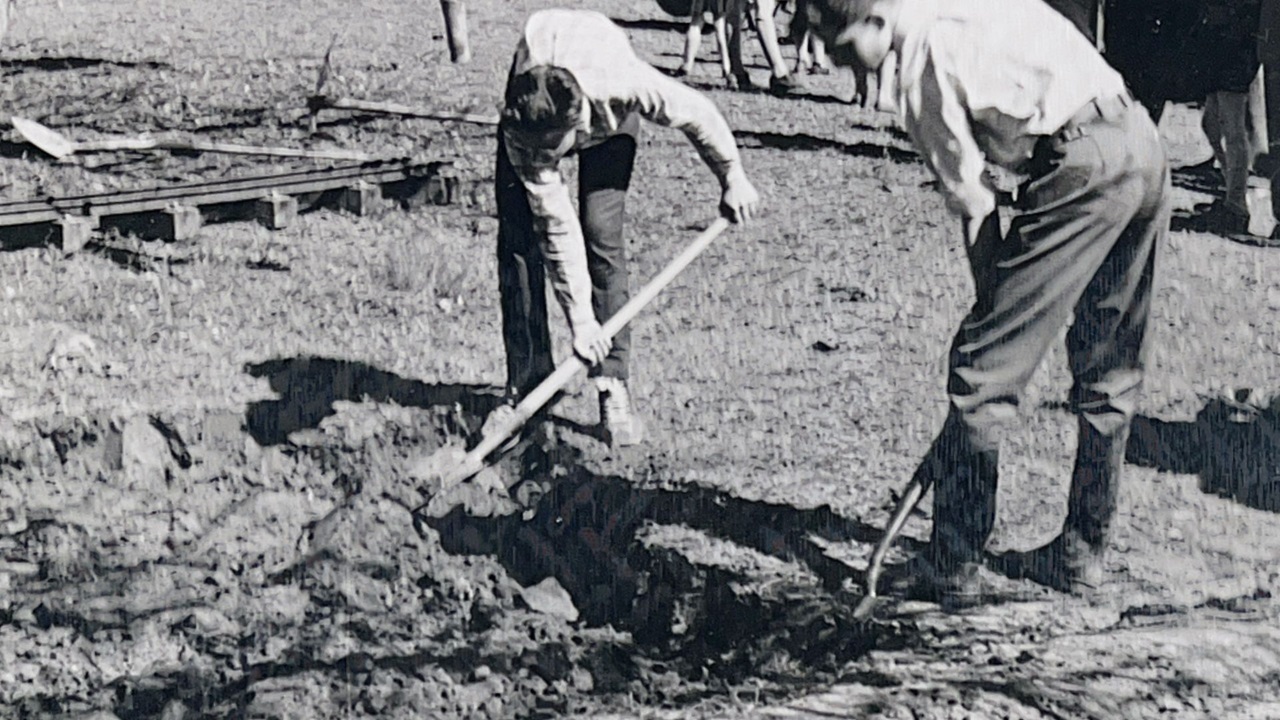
[(176, 212)]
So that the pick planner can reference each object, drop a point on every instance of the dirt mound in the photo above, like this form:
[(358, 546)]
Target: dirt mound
[(172, 567)]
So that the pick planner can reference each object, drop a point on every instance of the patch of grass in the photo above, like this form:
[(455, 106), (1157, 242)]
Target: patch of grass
[(421, 262)]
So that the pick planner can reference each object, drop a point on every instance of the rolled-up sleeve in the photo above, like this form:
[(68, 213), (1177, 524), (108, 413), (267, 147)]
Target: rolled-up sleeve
[(559, 230), (668, 102), (941, 130)]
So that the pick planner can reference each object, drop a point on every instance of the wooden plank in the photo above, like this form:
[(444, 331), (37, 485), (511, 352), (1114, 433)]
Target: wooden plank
[(157, 199)]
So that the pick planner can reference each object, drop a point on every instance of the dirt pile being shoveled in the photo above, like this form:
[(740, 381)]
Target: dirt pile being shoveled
[(151, 562), (172, 567)]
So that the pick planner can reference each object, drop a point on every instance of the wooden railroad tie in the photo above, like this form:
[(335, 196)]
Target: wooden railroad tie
[(177, 212)]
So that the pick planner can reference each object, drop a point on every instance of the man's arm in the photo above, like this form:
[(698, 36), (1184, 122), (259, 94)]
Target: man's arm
[(560, 235), (668, 102), (939, 126)]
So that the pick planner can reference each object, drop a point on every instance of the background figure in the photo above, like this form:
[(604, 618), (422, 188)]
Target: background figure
[(883, 96), (811, 55), (781, 81), (1269, 56), (699, 10), (1226, 124), (1226, 118), (455, 28)]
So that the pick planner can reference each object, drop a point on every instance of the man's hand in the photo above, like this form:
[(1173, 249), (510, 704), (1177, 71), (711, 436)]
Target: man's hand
[(590, 343), (740, 199)]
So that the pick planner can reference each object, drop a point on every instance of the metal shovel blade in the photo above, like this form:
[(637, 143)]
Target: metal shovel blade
[(49, 141)]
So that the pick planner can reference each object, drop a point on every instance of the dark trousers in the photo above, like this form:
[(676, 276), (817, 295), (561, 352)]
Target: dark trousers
[(1269, 54), (1083, 243), (604, 174)]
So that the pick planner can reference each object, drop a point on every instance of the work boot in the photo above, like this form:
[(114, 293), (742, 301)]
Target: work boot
[(1226, 218), (954, 586), (622, 426), (1067, 564), (1075, 558)]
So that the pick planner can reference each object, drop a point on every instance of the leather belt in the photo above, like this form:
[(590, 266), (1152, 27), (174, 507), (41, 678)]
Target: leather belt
[(1110, 107)]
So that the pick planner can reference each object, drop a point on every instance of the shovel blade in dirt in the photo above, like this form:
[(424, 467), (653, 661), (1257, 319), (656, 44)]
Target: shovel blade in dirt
[(475, 460), (59, 146)]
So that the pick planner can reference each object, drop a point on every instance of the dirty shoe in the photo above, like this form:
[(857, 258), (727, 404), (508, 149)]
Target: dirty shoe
[(622, 426), (1080, 568), (1068, 564), (959, 586)]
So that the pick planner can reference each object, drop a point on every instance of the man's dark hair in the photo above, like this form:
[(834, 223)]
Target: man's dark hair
[(543, 98)]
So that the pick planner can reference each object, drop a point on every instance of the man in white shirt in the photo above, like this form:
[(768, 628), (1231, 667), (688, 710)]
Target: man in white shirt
[(1012, 82), (577, 87)]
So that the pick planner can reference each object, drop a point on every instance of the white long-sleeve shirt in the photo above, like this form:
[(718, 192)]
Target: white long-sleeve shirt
[(983, 80), (619, 89)]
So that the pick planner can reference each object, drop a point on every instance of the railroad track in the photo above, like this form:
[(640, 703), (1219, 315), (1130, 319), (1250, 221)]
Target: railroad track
[(177, 212)]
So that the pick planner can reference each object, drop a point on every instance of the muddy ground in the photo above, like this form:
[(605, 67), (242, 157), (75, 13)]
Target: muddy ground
[(209, 449)]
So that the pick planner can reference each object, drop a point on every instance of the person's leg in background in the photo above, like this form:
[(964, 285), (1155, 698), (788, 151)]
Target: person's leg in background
[(1269, 54), (455, 28), (604, 176), (1213, 130), (1226, 115), (781, 81), (721, 25), (733, 23), (692, 37)]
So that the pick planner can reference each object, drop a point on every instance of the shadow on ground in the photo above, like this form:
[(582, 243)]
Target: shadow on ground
[(802, 142), (1233, 448), (10, 67), (1202, 177), (588, 532), (676, 26), (308, 387)]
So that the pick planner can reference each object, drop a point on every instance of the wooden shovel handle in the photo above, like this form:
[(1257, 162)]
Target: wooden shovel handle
[(474, 461)]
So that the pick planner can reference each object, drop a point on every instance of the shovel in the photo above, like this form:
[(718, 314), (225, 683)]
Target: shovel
[(59, 146), (915, 490), (474, 461)]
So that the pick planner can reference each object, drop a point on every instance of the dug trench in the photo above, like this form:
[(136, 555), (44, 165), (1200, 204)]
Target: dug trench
[(265, 563)]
